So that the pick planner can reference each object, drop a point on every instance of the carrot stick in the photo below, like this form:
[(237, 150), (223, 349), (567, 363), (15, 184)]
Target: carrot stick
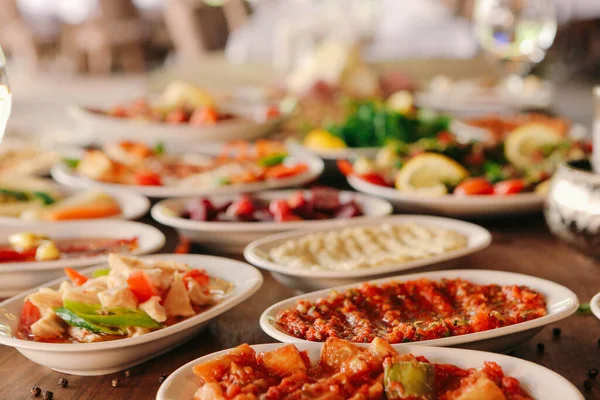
[(85, 212)]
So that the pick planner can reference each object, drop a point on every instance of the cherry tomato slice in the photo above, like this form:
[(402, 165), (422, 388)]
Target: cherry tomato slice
[(511, 186), (147, 178), (345, 167), (474, 187), (141, 286), (75, 276), (374, 179)]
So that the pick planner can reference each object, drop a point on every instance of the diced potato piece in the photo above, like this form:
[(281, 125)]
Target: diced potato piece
[(213, 370), (25, 240), (96, 165), (47, 250), (336, 351), (284, 361), (382, 349), (482, 389), (209, 391)]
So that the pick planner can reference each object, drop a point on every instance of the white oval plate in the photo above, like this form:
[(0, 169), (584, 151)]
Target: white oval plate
[(595, 305), (16, 277), (479, 103), (111, 356), (132, 204), (561, 303), (65, 175), (336, 154), (455, 206), (234, 236), (541, 383), (105, 129), (307, 280)]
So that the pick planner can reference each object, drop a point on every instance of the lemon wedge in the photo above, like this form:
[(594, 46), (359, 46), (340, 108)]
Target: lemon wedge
[(427, 173), (522, 144), (320, 139), (543, 188), (180, 93), (401, 102)]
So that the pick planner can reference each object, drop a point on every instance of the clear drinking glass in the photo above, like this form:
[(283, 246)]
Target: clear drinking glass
[(5, 95), (515, 33), (596, 133)]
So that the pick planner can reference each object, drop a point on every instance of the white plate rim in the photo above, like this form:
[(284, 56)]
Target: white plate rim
[(81, 112), (121, 196), (155, 235), (64, 175), (467, 274), (449, 199), (437, 354), (159, 213), (218, 309), (476, 233), (595, 305)]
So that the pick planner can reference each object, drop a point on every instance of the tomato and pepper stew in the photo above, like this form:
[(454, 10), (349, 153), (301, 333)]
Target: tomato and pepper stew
[(411, 311), (346, 371)]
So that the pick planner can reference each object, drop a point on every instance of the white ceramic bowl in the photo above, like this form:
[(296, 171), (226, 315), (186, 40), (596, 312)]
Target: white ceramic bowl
[(455, 206), (541, 383), (308, 280), (561, 303), (16, 277), (67, 176), (104, 129), (132, 204), (234, 236), (595, 305), (107, 357), (479, 103)]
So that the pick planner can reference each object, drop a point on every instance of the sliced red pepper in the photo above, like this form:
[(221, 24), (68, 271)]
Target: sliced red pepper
[(29, 315), (375, 179), (75, 276), (147, 178), (141, 286), (345, 167), (198, 275), (7, 255), (183, 247)]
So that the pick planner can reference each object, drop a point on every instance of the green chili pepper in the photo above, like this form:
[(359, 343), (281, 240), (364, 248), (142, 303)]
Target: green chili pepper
[(75, 320), (409, 379), (45, 197), (71, 162), (584, 309), (159, 149), (137, 318), (100, 272), (274, 159), (111, 316)]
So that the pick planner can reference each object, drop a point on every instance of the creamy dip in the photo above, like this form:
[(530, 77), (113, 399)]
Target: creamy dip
[(366, 247)]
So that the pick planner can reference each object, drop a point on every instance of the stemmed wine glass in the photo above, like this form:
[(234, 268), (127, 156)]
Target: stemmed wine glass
[(515, 33), (5, 95)]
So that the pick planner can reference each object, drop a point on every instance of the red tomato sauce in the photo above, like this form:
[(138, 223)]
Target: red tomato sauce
[(412, 311)]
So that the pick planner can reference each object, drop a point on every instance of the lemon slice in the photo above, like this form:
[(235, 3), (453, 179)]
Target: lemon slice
[(320, 139), (180, 93), (522, 144), (543, 188), (401, 102), (427, 173)]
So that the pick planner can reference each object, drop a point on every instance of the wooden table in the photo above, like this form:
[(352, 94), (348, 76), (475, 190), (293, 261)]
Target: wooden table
[(520, 245)]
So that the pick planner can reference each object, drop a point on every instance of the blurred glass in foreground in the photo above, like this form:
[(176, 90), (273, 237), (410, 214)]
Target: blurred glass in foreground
[(5, 95), (515, 33)]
